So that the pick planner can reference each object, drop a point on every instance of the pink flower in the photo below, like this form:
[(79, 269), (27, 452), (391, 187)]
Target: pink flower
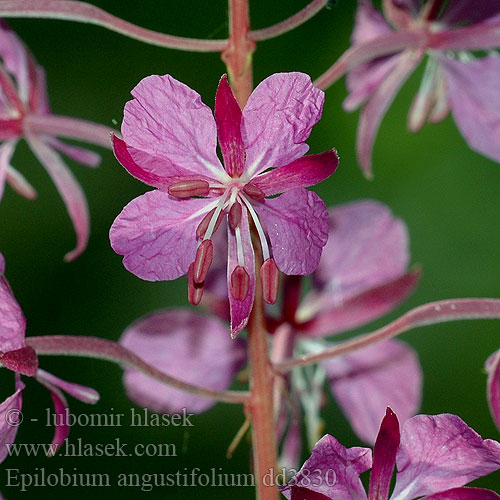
[(453, 78), (25, 113), (492, 367), (435, 457), (170, 140), (17, 356)]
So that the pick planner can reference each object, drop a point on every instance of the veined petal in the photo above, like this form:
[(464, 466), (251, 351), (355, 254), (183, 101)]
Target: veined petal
[(240, 254), (297, 225), (336, 471), (68, 188), (278, 119), (304, 172), (168, 121), (475, 102), (6, 152), (492, 366), (193, 347), (367, 381), (12, 322), (10, 417), (441, 452), (469, 11), (18, 183), (81, 392), (156, 234), (373, 112), (228, 118), (464, 494)]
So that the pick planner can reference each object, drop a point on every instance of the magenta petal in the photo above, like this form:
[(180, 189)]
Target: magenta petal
[(18, 182), (297, 225), (469, 11), (441, 452), (193, 347), (278, 119), (475, 103), (81, 392), (228, 118), (69, 189), (62, 428), (156, 234), (167, 120), (301, 173), (6, 152), (374, 111), (240, 309), (336, 471), (492, 366), (367, 381), (10, 418), (12, 320), (464, 494), (384, 457)]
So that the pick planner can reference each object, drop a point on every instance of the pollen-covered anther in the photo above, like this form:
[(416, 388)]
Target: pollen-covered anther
[(254, 191), (195, 290), (270, 276), (234, 216), (203, 225), (240, 283), (186, 189), (203, 261)]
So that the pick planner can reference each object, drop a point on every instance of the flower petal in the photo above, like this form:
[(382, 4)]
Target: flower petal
[(10, 418), (61, 410), (374, 111), (469, 11), (278, 119), (301, 173), (156, 234), (13, 322), (367, 381), (441, 452), (228, 118), (68, 188), (6, 151), (464, 494), (297, 225), (18, 182), (191, 346), (475, 103), (240, 309), (492, 366), (332, 470), (167, 120)]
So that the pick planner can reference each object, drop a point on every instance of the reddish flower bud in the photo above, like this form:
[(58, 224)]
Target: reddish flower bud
[(195, 290), (203, 261), (270, 276), (186, 189), (240, 283), (235, 216), (254, 192)]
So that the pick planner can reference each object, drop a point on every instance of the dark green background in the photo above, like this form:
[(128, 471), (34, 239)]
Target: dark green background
[(447, 194)]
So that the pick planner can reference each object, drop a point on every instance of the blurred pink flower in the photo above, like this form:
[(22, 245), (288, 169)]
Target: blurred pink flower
[(170, 140), (25, 113)]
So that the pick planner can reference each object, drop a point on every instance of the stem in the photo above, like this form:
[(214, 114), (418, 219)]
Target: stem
[(291, 23), (94, 347), (428, 314), (238, 54), (72, 10)]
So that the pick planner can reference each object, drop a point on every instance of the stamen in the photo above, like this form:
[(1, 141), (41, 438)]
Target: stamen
[(195, 290), (254, 191), (240, 283), (186, 189), (203, 261), (239, 247), (203, 226), (234, 216), (270, 277), (260, 229), (215, 217)]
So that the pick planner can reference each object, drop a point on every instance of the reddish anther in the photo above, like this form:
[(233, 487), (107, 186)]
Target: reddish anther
[(203, 226), (203, 261), (234, 217), (240, 283), (187, 189), (254, 191), (270, 276), (23, 361), (195, 290)]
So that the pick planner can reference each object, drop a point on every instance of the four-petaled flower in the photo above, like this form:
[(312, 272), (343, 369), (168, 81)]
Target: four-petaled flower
[(25, 113), (435, 455), (169, 142), (453, 78), (17, 356)]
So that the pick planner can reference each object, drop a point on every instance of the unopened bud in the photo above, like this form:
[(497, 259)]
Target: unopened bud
[(270, 276), (186, 189), (240, 283)]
